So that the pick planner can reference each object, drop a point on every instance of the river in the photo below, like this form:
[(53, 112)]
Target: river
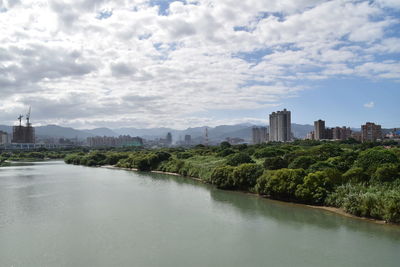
[(53, 214)]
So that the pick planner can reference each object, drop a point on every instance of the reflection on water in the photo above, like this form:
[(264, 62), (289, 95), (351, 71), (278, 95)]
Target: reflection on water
[(294, 215)]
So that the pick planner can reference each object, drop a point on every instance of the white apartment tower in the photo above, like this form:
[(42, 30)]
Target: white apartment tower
[(280, 129)]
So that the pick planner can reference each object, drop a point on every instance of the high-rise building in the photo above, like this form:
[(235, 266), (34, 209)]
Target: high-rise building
[(319, 130), (259, 135), (23, 134), (169, 139), (280, 126), (188, 139), (370, 132)]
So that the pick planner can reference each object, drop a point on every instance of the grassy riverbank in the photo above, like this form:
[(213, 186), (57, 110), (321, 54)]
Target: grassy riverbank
[(361, 179)]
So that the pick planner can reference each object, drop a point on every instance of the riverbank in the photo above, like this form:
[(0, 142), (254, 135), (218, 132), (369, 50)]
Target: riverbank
[(334, 210)]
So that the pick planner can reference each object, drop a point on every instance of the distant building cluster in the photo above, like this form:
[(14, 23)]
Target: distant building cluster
[(322, 133), (121, 141), (370, 132), (279, 130)]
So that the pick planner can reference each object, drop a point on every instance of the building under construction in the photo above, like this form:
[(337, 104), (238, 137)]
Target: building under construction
[(24, 134)]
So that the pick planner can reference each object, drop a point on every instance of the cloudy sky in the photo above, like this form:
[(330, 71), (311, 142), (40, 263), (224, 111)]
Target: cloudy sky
[(141, 63)]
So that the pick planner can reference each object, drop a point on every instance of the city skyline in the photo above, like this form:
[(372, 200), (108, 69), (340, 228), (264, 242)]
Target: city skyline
[(146, 64)]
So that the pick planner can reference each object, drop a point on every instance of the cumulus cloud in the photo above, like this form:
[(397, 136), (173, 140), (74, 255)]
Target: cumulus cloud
[(141, 63), (369, 104)]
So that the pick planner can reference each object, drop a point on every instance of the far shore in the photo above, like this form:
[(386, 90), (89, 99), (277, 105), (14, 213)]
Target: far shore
[(338, 211)]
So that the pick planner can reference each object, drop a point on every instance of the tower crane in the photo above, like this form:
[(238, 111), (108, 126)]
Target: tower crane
[(28, 116)]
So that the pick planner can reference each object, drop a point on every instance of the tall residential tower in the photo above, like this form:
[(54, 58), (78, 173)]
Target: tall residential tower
[(280, 129)]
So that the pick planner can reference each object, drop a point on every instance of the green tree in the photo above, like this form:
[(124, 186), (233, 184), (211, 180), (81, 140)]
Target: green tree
[(239, 158), (302, 162), (325, 151), (281, 183), (275, 163), (245, 176), (268, 152), (356, 174), (372, 158), (222, 177), (386, 173), (224, 145), (317, 185)]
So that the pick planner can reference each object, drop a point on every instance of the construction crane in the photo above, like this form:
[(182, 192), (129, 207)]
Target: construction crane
[(28, 116), (20, 119)]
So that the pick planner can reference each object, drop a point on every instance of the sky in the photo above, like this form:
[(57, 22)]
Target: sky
[(179, 64)]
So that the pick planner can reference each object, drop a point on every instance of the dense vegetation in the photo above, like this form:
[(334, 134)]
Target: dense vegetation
[(363, 179), (42, 154)]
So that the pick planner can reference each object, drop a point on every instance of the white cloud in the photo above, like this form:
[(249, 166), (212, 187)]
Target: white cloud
[(136, 66), (369, 104)]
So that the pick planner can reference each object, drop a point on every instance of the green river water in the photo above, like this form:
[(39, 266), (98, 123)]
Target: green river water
[(53, 214)]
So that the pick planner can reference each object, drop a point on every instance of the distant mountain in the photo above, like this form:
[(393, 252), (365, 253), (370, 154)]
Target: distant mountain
[(53, 131), (301, 130), (101, 132), (60, 132)]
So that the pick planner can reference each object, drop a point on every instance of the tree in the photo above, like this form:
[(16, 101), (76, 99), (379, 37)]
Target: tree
[(372, 158), (275, 163), (239, 158), (222, 177), (386, 173), (302, 162), (245, 175), (268, 152), (317, 185), (225, 145), (356, 174), (325, 151), (226, 152), (280, 183)]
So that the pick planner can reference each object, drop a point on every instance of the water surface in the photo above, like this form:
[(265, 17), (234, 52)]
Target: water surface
[(53, 214)]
